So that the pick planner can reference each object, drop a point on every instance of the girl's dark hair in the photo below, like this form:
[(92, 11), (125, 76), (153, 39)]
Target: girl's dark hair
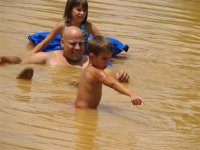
[(70, 5), (100, 44)]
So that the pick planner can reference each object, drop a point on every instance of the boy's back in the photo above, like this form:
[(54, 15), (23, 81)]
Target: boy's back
[(90, 89)]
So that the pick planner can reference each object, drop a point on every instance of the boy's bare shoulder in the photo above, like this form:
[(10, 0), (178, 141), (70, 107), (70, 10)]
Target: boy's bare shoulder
[(97, 73)]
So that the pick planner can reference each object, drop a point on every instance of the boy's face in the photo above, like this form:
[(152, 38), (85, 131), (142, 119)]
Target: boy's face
[(101, 60)]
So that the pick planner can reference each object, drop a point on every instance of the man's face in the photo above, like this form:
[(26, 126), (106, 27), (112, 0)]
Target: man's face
[(73, 47)]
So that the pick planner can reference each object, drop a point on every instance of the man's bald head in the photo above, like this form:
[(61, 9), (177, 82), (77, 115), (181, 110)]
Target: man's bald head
[(73, 43), (72, 31)]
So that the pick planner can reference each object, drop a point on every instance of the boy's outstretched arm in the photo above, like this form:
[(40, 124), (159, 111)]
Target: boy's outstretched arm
[(108, 81)]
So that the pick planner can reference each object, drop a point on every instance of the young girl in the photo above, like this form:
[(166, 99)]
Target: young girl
[(75, 14)]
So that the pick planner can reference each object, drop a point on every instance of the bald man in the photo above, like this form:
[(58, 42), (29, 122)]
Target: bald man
[(72, 53)]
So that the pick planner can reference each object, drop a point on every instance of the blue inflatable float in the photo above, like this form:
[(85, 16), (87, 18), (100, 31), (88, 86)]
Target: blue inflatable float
[(55, 44)]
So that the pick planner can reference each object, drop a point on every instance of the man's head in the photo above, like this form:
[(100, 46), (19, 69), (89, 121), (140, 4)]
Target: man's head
[(72, 43), (100, 51)]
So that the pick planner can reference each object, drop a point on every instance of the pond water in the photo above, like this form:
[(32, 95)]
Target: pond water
[(163, 62)]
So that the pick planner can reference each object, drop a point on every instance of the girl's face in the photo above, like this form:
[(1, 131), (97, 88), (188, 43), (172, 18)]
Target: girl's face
[(101, 60), (78, 14)]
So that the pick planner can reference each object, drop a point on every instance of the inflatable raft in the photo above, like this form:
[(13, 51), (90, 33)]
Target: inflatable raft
[(36, 38)]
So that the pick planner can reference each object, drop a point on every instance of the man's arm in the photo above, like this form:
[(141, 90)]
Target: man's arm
[(10, 59), (121, 76), (38, 58)]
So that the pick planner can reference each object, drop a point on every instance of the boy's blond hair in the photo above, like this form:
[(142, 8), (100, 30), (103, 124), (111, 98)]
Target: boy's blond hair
[(100, 44)]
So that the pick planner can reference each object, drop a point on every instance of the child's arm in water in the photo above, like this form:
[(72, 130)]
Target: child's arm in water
[(108, 81)]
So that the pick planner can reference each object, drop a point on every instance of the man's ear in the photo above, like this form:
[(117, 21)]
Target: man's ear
[(62, 43)]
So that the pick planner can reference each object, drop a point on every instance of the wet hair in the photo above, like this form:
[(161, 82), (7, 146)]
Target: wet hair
[(69, 7), (99, 44)]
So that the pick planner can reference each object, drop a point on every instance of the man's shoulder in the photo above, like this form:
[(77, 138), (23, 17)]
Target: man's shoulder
[(40, 54), (55, 52), (85, 58)]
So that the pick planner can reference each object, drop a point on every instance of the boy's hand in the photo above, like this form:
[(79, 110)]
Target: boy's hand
[(122, 76), (136, 100)]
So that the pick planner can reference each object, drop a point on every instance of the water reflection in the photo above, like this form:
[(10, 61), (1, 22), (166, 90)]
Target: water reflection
[(87, 125), (25, 90)]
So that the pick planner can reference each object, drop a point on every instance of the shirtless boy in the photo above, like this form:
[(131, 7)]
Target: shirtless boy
[(92, 78)]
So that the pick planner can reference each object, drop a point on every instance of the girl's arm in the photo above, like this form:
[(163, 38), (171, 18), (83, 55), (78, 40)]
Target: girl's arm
[(56, 30), (92, 29)]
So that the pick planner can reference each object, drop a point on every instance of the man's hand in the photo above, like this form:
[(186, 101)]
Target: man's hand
[(122, 76)]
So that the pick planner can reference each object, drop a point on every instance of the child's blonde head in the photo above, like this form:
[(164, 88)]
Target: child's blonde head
[(100, 44)]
